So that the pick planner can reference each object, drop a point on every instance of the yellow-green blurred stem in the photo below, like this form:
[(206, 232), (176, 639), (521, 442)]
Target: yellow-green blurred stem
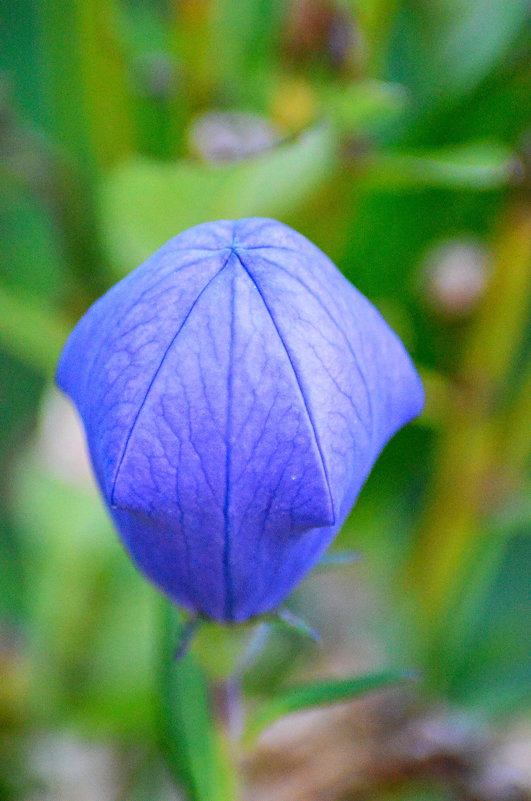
[(474, 458)]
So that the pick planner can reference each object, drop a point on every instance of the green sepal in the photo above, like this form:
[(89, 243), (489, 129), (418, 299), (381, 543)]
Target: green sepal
[(286, 619)]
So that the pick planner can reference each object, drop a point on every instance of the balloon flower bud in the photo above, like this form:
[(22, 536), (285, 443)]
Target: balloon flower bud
[(235, 391)]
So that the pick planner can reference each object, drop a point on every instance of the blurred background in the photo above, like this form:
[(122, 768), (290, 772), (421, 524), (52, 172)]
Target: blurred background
[(396, 135)]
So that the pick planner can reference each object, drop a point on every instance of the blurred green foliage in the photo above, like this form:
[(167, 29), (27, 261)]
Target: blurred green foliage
[(390, 129)]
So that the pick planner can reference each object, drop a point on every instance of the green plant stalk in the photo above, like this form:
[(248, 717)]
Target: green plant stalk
[(195, 746), (469, 464), (89, 118), (86, 82), (67, 108), (104, 77), (159, 108), (192, 36), (515, 437)]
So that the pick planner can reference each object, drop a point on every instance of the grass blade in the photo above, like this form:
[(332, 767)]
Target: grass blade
[(309, 696)]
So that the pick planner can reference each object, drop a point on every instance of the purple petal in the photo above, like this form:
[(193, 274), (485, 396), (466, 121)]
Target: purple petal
[(235, 391)]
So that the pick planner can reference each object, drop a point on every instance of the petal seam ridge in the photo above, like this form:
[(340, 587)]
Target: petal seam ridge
[(297, 380), (154, 378), (229, 598), (370, 428)]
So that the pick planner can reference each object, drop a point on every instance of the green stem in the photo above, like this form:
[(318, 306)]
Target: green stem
[(196, 751), (89, 113), (515, 440), (86, 81)]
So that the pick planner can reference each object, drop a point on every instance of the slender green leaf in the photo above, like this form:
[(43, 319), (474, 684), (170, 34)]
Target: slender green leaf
[(476, 166), (309, 696), (86, 81)]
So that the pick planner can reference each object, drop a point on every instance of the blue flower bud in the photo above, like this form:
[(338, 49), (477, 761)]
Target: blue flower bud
[(235, 390)]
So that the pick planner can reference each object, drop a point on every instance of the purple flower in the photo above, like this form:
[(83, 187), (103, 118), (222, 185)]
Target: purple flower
[(235, 390)]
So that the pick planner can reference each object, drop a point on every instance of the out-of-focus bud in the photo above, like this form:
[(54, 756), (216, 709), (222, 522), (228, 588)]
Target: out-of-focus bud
[(344, 42), (455, 276), (323, 30), (309, 24), (230, 136)]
